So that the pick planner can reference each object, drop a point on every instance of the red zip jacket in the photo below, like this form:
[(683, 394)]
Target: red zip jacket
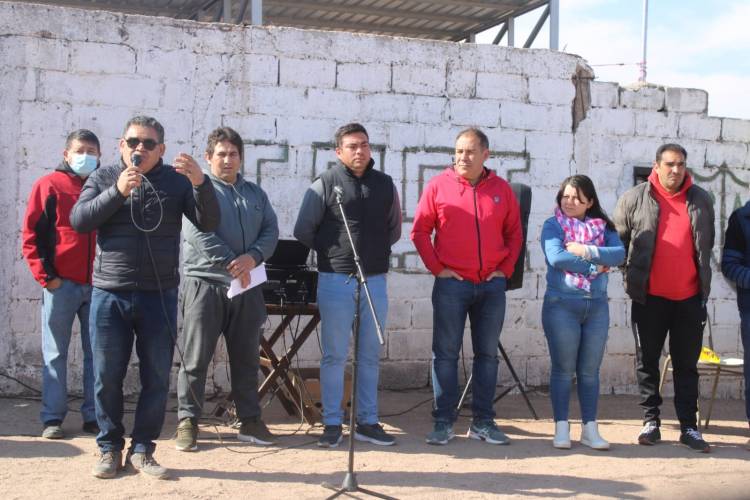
[(52, 248), (477, 228)]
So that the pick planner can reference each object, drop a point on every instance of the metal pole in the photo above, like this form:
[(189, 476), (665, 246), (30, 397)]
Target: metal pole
[(642, 78), (500, 34), (554, 24), (511, 23), (227, 11), (537, 28), (256, 12)]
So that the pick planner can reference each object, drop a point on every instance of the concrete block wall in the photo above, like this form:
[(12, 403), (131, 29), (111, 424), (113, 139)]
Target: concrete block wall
[(287, 90)]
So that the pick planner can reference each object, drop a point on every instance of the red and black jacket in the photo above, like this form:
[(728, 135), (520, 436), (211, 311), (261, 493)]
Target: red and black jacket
[(52, 248)]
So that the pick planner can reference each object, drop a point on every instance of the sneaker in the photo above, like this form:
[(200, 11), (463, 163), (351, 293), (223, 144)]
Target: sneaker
[(253, 430), (147, 464), (187, 435), (442, 432), (53, 430), (692, 439), (90, 427), (487, 431), (747, 445), (331, 436), (650, 434), (108, 465), (373, 433)]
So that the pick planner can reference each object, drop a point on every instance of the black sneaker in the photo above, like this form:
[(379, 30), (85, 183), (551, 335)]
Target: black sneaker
[(331, 437), (253, 430), (692, 439), (650, 434), (373, 433), (91, 427)]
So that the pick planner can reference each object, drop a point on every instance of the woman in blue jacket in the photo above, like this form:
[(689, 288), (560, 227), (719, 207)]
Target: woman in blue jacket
[(580, 245)]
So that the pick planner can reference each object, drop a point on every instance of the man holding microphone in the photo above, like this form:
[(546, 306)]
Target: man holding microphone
[(136, 206)]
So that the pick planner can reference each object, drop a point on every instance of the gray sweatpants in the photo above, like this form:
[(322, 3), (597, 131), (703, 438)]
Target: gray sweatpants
[(206, 314)]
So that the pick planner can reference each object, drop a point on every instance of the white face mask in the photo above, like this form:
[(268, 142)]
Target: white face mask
[(83, 164)]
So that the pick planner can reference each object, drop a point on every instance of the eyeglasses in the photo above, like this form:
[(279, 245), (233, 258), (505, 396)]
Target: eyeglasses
[(148, 144)]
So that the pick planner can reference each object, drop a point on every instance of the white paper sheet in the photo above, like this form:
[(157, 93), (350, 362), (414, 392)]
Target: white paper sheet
[(257, 276)]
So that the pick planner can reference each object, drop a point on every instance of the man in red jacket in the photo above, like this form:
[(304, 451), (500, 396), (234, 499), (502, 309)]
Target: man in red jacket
[(61, 261), (477, 225), (667, 227)]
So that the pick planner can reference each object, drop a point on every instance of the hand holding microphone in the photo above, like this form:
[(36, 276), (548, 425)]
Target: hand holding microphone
[(130, 178)]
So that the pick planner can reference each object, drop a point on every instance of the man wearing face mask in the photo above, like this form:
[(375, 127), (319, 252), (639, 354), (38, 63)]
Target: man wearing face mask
[(136, 206), (60, 260), (246, 236)]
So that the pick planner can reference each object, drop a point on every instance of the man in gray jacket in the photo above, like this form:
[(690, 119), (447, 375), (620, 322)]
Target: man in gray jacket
[(246, 236), (667, 227)]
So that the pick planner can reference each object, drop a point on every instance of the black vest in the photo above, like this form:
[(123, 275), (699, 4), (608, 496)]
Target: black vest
[(367, 201)]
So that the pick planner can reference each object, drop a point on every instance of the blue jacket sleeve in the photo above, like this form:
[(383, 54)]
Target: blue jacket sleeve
[(612, 253), (733, 255), (554, 250)]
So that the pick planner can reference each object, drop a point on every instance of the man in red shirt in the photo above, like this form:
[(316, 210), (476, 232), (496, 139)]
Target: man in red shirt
[(667, 227), (477, 226), (61, 261)]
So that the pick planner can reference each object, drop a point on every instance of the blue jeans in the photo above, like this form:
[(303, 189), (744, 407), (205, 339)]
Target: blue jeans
[(484, 303), (745, 333), (118, 318), (59, 309), (576, 331), (336, 302)]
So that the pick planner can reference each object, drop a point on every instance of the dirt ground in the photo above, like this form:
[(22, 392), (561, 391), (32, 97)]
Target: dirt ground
[(32, 467)]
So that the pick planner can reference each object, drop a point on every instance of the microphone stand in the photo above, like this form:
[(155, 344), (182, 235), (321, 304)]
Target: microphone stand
[(349, 484)]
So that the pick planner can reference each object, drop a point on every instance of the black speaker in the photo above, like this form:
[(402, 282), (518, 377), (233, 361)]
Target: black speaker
[(523, 195)]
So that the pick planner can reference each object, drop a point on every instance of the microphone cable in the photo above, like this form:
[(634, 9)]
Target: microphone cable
[(136, 160)]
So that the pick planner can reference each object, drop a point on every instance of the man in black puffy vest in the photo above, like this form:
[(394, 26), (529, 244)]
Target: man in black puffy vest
[(136, 207), (372, 207)]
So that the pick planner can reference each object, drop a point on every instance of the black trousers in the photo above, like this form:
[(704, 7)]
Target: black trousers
[(683, 320), (207, 313)]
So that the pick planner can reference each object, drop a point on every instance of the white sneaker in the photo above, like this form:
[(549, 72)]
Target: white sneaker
[(590, 436), (562, 435)]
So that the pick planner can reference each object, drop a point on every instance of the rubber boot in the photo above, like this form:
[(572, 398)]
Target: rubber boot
[(562, 435), (590, 436)]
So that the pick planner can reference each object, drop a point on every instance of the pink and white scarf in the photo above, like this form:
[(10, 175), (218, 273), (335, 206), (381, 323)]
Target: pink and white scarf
[(587, 232)]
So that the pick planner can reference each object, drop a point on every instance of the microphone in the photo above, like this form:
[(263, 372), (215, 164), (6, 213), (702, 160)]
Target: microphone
[(338, 191), (136, 159)]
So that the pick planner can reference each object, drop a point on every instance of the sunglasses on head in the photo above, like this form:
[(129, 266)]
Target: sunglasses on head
[(148, 144)]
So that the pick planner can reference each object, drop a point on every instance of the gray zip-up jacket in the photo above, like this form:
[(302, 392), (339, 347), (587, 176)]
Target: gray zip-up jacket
[(248, 225), (637, 218)]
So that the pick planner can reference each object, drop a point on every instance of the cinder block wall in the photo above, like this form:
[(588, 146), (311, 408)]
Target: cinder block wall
[(286, 90)]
